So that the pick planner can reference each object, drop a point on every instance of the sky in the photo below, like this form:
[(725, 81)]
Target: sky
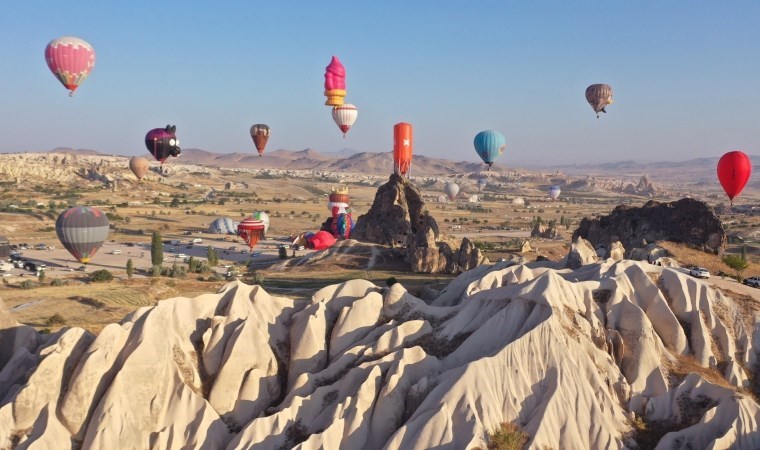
[(684, 73)]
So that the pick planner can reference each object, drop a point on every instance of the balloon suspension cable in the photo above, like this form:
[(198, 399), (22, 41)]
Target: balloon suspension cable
[(71, 93), (344, 135)]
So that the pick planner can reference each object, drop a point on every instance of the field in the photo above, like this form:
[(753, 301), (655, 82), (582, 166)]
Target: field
[(182, 206)]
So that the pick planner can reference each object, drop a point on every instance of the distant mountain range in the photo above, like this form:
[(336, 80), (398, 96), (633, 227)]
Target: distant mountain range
[(351, 160)]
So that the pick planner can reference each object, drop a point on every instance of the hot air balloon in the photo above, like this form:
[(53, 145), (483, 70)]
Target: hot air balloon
[(320, 240), (734, 169), (163, 142), (451, 189), (264, 218), (251, 231), (402, 148), (82, 230), (70, 59), (335, 82), (139, 166), (341, 226), (599, 96), (489, 145), (260, 136), (345, 116), (338, 200), (223, 225), (554, 192), (482, 182)]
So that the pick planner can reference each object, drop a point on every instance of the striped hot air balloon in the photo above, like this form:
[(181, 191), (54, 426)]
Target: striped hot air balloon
[(264, 218), (554, 192), (345, 116), (251, 231), (82, 230), (223, 225), (70, 59), (260, 135), (599, 96)]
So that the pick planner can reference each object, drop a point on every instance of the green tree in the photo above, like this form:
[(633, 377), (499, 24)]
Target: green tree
[(130, 268), (101, 275), (156, 249), (736, 263), (174, 203), (212, 256)]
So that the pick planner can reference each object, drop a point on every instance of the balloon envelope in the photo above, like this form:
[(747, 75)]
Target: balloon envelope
[(70, 59), (335, 82), (320, 240), (163, 143), (260, 136), (139, 166), (451, 189), (734, 169), (263, 217), (489, 145), (341, 226), (223, 225), (482, 182), (402, 148), (82, 230), (554, 192), (345, 116), (251, 231), (599, 96)]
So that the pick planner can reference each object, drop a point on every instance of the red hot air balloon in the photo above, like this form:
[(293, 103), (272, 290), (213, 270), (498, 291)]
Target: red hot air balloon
[(70, 59), (251, 231), (734, 169), (402, 148)]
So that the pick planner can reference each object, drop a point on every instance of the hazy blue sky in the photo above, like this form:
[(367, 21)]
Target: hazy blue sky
[(685, 76)]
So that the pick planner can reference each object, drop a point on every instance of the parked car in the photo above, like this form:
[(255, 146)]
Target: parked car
[(181, 255), (18, 263), (130, 244), (40, 247), (699, 272), (34, 267), (752, 281), (116, 252)]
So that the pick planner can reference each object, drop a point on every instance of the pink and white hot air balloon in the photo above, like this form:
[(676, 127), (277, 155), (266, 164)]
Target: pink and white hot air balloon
[(70, 59), (345, 116)]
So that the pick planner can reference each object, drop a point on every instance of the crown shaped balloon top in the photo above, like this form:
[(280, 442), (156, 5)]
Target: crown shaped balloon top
[(340, 190)]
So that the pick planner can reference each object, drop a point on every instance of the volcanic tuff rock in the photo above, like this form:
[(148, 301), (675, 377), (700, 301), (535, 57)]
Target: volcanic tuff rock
[(363, 367), (398, 217), (645, 187), (545, 231), (687, 221)]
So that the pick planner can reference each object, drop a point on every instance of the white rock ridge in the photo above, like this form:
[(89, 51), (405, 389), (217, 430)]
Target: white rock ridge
[(575, 358)]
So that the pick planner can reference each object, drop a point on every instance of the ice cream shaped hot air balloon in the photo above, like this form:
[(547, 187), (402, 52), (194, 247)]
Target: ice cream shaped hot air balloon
[(489, 145), (163, 143), (139, 166), (260, 136), (345, 116), (734, 169), (335, 82), (70, 59), (251, 231), (82, 230), (402, 148)]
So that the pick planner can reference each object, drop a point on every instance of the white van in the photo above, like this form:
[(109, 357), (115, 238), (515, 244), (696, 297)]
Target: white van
[(197, 241)]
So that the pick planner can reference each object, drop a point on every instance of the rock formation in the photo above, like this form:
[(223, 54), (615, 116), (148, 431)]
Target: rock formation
[(545, 231), (687, 221), (363, 367), (581, 253), (399, 217), (644, 187)]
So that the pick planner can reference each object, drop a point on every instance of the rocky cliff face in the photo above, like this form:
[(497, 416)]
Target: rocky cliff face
[(363, 367), (399, 217), (687, 221)]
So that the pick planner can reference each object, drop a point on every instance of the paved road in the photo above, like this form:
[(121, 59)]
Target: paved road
[(60, 262), (730, 284)]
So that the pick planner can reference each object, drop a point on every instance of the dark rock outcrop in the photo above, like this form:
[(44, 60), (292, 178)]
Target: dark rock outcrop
[(545, 231), (399, 218), (685, 221)]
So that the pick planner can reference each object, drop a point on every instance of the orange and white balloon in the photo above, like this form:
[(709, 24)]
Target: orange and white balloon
[(345, 116)]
